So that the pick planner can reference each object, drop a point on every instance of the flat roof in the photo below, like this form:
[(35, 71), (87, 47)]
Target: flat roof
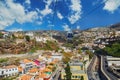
[(76, 64), (76, 71)]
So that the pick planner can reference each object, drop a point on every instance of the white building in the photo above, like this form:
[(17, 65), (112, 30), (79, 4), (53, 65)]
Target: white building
[(1, 72), (9, 70), (26, 65), (57, 56), (41, 39), (117, 63), (30, 34)]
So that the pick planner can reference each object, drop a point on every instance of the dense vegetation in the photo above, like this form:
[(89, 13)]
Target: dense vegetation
[(27, 38), (1, 35), (113, 50), (49, 45), (3, 60), (68, 72)]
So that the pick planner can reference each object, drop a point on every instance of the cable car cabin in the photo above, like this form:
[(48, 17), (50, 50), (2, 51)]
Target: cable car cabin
[(69, 36)]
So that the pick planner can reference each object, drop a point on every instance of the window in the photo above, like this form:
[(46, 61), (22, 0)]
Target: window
[(79, 77), (2, 72), (6, 70), (75, 76), (13, 69)]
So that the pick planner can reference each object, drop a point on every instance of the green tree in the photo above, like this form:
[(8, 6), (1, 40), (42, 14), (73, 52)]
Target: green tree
[(27, 38), (1, 35), (79, 51), (89, 53), (68, 72), (82, 78), (113, 50), (66, 57), (13, 36)]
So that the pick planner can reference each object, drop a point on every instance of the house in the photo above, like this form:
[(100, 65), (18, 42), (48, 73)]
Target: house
[(40, 39), (10, 70), (20, 70), (33, 71), (27, 77), (77, 70), (26, 64), (41, 64), (1, 72), (56, 56), (30, 34), (45, 74)]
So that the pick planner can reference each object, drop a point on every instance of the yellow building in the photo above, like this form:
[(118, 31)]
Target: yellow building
[(77, 70)]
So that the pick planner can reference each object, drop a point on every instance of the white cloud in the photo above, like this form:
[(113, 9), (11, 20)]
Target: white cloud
[(78, 27), (15, 29), (111, 5), (76, 11), (75, 17), (59, 15), (76, 5), (38, 22), (11, 12), (96, 2), (66, 28), (27, 4), (27, 1), (48, 2), (47, 10)]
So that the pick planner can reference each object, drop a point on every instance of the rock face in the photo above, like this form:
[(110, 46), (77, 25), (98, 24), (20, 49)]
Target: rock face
[(6, 47)]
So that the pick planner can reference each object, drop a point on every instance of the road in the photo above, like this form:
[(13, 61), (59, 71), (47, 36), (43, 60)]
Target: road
[(56, 74), (91, 74), (108, 75), (20, 55)]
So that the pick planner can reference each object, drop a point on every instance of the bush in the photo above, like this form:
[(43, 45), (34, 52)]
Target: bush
[(113, 50), (3, 60)]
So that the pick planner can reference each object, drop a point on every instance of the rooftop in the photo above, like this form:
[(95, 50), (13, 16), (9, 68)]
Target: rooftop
[(33, 70), (76, 63), (26, 77), (9, 67)]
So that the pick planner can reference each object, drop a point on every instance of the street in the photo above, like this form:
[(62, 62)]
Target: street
[(108, 75)]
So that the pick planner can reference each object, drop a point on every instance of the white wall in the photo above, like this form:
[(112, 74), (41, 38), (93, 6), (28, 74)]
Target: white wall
[(11, 71), (1, 72)]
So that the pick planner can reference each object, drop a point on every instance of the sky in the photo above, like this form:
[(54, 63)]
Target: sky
[(22, 15)]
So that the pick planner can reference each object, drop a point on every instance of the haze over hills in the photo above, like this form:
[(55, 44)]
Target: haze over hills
[(110, 27), (115, 26)]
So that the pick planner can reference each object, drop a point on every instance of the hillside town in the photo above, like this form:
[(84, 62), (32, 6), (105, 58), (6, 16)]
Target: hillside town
[(36, 55)]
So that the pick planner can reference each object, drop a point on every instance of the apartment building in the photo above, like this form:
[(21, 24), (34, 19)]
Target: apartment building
[(77, 70), (10, 70)]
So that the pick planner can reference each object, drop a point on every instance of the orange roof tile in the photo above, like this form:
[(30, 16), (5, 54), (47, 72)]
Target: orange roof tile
[(20, 69), (33, 70), (47, 70), (27, 61), (49, 66), (10, 66), (43, 75), (26, 77), (56, 60), (52, 62)]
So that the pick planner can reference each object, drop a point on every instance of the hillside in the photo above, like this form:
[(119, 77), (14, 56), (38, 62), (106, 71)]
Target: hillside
[(115, 26)]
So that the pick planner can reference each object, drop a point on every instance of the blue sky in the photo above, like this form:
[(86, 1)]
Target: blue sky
[(19, 15)]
